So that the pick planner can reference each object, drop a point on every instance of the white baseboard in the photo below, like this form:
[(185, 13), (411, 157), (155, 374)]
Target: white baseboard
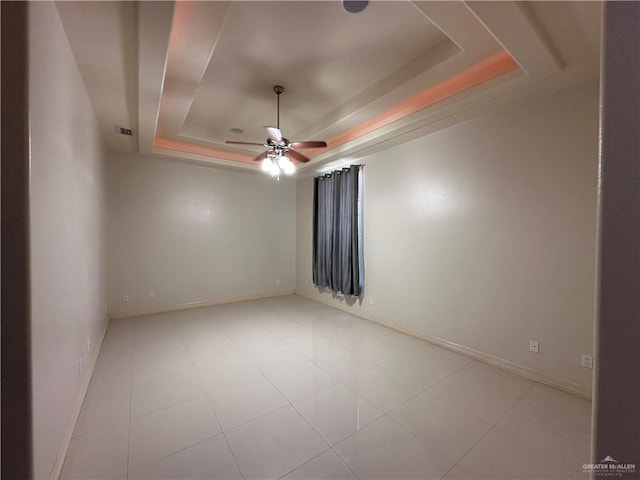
[(523, 371), (187, 306), (64, 448)]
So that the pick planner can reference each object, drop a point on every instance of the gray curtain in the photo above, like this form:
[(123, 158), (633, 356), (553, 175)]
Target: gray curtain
[(337, 231)]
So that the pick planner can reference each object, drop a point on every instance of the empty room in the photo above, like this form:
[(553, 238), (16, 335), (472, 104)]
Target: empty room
[(320, 240)]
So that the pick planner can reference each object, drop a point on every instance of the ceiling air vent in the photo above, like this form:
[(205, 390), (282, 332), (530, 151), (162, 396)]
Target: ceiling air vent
[(129, 132)]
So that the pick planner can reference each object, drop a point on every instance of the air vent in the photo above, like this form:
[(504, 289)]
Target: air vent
[(129, 132)]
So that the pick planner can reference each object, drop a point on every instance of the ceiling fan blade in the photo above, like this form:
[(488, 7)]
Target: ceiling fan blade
[(262, 156), (309, 144), (297, 156), (230, 142), (274, 134)]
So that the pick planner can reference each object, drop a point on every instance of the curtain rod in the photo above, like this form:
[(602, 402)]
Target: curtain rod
[(339, 169)]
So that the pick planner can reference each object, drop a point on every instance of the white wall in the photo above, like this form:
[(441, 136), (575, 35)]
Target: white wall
[(484, 234), (68, 271), (195, 234)]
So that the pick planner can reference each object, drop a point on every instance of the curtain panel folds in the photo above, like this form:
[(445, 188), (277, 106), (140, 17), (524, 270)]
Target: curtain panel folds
[(337, 231)]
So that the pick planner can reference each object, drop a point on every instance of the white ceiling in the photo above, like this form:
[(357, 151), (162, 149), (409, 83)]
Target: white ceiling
[(183, 74)]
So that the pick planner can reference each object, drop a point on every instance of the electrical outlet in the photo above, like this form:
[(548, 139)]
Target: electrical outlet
[(586, 360), (370, 300), (278, 281), (89, 346), (534, 346), (125, 298), (306, 282), (152, 295)]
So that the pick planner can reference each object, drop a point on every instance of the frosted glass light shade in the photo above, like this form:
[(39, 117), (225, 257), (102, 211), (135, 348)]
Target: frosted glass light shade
[(283, 162), (289, 168)]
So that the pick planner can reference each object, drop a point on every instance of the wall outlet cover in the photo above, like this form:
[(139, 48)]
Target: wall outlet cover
[(586, 360), (534, 346)]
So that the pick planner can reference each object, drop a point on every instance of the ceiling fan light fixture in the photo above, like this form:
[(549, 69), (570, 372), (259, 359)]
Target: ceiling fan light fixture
[(276, 163), (274, 160), (274, 169), (289, 169), (286, 165), (283, 161)]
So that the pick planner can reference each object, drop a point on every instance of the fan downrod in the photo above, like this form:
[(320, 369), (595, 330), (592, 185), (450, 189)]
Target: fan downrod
[(278, 89), (276, 144)]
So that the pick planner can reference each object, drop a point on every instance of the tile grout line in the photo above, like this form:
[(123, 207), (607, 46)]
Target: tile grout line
[(492, 426), (355, 392), (455, 463), (290, 403), (345, 463), (281, 338), (524, 442), (520, 397), (311, 426), (422, 442), (213, 410), (175, 324), (423, 389), (131, 418)]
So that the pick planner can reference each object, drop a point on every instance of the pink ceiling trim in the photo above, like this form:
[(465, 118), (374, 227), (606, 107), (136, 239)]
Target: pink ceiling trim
[(489, 68), (178, 146)]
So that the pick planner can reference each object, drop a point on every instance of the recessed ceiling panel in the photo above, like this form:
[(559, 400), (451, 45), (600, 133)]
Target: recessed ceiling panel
[(188, 75), (323, 55)]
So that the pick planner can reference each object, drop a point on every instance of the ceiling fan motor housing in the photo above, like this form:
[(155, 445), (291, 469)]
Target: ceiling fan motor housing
[(278, 145)]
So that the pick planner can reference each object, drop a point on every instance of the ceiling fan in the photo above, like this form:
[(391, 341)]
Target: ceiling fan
[(280, 151)]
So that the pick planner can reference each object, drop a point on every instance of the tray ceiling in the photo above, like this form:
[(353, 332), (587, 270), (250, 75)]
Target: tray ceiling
[(184, 74)]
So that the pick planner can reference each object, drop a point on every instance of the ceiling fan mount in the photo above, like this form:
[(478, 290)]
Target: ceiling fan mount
[(278, 146)]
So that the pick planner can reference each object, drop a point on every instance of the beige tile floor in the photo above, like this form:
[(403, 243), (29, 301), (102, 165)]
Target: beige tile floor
[(289, 388)]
